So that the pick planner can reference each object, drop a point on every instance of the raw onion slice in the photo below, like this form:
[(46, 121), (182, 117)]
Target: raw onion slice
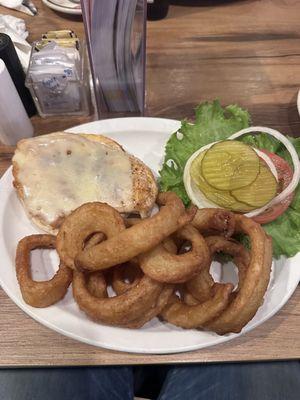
[(290, 148)]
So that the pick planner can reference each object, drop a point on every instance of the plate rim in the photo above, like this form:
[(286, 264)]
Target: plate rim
[(183, 348), (62, 9)]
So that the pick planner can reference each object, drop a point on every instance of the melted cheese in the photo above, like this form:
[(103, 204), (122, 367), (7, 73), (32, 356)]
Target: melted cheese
[(61, 171)]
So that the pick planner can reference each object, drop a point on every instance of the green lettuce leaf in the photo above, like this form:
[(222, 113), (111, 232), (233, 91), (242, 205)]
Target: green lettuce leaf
[(212, 123)]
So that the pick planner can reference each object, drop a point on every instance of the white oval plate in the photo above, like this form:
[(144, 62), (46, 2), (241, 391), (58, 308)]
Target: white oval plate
[(145, 138), (64, 6)]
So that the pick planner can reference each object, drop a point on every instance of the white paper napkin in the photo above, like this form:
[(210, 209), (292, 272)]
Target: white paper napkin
[(25, 6), (16, 29)]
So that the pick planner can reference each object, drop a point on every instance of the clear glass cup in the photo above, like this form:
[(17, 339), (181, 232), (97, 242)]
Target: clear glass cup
[(116, 37)]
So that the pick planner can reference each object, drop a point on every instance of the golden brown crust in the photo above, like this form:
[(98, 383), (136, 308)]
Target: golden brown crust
[(144, 190)]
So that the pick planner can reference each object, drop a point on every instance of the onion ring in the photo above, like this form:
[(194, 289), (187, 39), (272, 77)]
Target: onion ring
[(132, 221), (212, 220), (96, 238), (250, 296), (163, 266), (139, 238), (125, 277), (154, 311), (118, 310), (81, 224), (44, 293), (241, 256), (196, 316), (96, 284), (186, 296), (132, 273), (201, 286)]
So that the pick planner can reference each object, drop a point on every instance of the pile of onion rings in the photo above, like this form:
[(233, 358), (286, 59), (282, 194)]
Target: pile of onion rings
[(127, 271)]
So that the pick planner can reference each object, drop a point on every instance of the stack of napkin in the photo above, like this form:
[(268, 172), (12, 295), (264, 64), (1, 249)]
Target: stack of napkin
[(16, 29)]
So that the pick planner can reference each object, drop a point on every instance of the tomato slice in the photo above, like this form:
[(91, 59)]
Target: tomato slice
[(285, 175)]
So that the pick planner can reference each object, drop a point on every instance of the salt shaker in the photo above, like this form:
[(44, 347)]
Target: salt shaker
[(14, 122)]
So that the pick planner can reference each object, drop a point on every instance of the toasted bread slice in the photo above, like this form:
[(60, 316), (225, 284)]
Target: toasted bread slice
[(42, 178)]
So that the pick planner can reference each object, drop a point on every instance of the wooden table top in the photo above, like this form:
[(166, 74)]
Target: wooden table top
[(244, 52)]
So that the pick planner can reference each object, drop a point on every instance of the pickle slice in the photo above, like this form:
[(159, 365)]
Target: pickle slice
[(259, 192), (222, 198), (230, 165)]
